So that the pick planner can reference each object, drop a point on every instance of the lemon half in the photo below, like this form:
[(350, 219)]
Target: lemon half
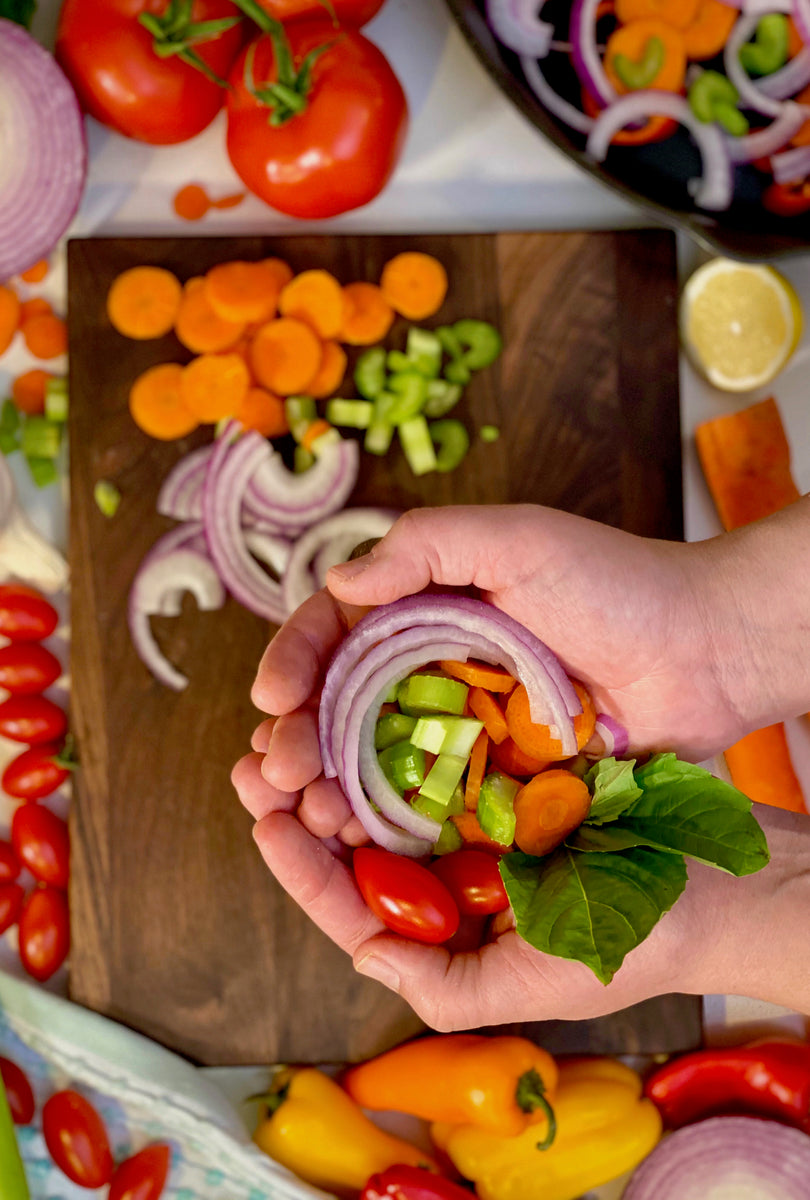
[(739, 323)]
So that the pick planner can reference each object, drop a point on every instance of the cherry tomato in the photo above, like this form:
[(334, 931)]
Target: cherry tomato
[(473, 880), (110, 59), (405, 895), (787, 199), (26, 668), (25, 614), (35, 773), (9, 863), (11, 902), (338, 153), (41, 841), (76, 1139), (19, 1093), (44, 932), (143, 1176), (347, 12), (32, 719)]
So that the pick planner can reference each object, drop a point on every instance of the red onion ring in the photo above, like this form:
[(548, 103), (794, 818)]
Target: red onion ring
[(517, 24), (750, 95), (180, 495), (347, 528), (296, 501), (791, 165), (615, 737), (768, 141), (556, 104), (585, 55), (789, 80)]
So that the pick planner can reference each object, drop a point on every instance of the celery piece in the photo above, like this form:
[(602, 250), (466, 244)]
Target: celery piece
[(410, 391), (330, 437), (353, 414), (443, 778), (40, 438), (369, 372), (441, 397), (419, 695), (397, 361), (448, 340), (770, 47), (481, 342), (489, 433), (379, 436), (496, 811), (424, 351), (453, 443), (9, 417), (300, 412), (438, 810), (56, 398), (43, 471), (457, 371), (417, 445), (302, 459), (391, 728), (446, 735), (403, 765), (9, 442), (107, 497), (448, 840)]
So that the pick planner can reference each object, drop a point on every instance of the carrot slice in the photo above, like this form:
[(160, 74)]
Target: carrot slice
[(157, 405), (243, 291), (476, 770), (631, 42), (45, 335), (9, 316), (473, 835), (199, 327), (191, 202), (548, 808), (28, 391), (678, 13), (37, 272), (414, 284), (316, 298), (331, 372), (760, 765), (214, 385), (314, 430), (477, 674), (143, 301), (509, 758), (367, 314), (262, 411), (34, 306), (707, 32), (486, 709), (536, 740), (285, 356)]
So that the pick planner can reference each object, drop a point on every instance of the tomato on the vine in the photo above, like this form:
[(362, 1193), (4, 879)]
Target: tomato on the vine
[(25, 614), (110, 57), (76, 1139), (12, 896), (35, 773), (405, 896), (19, 1092), (27, 668), (347, 12), (33, 720), (143, 1175), (473, 880), (41, 841), (44, 932), (335, 147)]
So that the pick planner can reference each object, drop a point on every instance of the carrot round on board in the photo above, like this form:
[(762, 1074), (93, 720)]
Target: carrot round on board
[(263, 412), (243, 291), (214, 385), (142, 302), (316, 298), (760, 765), (45, 335), (285, 356), (199, 327), (9, 316), (536, 740), (367, 315), (548, 808), (28, 391), (157, 405), (331, 372), (414, 284)]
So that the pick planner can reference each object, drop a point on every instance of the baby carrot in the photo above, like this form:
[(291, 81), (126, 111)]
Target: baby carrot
[(316, 298), (157, 405), (414, 284), (367, 315), (199, 327), (285, 356), (548, 808), (9, 316), (45, 335), (28, 391), (214, 385), (493, 679), (486, 709), (536, 740), (330, 373), (142, 302)]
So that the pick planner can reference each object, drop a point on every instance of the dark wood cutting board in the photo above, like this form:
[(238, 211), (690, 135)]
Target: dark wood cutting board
[(178, 929)]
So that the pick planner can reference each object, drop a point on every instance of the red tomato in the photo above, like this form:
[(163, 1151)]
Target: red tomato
[(76, 1139), (11, 902), (405, 895), (338, 153), (120, 80), (473, 880), (143, 1176), (25, 614), (41, 841), (348, 12), (18, 1092), (32, 719), (26, 668), (35, 773), (9, 863), (44, 932), (787, 199)]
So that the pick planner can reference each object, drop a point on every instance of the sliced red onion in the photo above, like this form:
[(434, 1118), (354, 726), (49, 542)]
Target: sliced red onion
[(43, 151), (801, 17), (761, 8), (297, 500), (715, 190), (272, 550), (791, 165), (768, 141), (614, 735), (789, 80), (585, 57), (189, 536), (746, 1158), (750, 95), (180, 495), (517, 24), (550, 99), (347, 528)]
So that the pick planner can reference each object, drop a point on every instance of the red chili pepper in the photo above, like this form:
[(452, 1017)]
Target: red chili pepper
[(412, 1183), (769, 1078), (787, 199)]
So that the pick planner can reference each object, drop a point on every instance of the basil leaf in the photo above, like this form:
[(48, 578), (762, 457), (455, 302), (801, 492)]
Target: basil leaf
[(19, 11), (593, 908), (684, 808), (613, 788), (604, 838)]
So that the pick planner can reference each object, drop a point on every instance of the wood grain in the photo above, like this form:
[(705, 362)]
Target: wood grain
[(178, 930)]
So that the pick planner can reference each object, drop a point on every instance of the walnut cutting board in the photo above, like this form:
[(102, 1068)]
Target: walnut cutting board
[(178, 929)]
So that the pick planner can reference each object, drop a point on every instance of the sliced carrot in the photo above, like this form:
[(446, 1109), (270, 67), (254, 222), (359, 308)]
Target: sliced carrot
[(761, 766), (630, 42), (316, 298), (414, 284), (483, 706), (281, 271), (45, 335), (214, 385), (708, 31), (473, 835), (476, 770), (199, 327), (678, 13), (285, 356), (477, 674), (28, 391), (367, 314), (243, 291), (143, 302), (9, 316), (509, 758), (536, 740), (330, 373), (34, 306), (191, 202), (263, 412), (157, 405), (548, 808), (313, 431), (37, 272)]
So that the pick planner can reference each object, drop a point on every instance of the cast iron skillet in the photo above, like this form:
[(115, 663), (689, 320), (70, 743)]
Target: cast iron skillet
[(654, 176)]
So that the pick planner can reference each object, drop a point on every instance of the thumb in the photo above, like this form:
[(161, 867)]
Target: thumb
[(416, 972)]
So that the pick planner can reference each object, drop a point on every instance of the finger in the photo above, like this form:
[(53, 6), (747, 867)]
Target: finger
[(260, 738), (324, 809), (353, 833), (297, 655), (322, 885), (293, 757), (255, 793)]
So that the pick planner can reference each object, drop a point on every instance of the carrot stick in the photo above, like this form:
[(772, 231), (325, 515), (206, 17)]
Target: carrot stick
[(28, 391), (316, 298), (483, 706), (509, 758), (708, 31), (677, 13), (9, 316), (631, 42), (330, 373), (548, 808), (37, 272), (536, 740), (285, 356), (414, 284), (476, 770), (157, 405), (45, 335), (473, 835), (143, 301), (367, 314), (760, 766), (199, 327), (477, 674), (262, 411), (243, 291), (214, 385)]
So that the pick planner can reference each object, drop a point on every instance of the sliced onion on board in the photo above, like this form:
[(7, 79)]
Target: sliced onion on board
[(180, 495), (296, 501), (331, 540)]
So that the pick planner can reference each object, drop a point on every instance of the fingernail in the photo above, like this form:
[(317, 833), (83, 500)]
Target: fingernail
[(350, 570), (379, 969)]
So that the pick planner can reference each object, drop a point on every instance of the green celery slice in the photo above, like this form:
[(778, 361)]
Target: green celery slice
[(496, 811), (410, 390), (40, 438), (448, 840), (443, 778), (446, 735), (481, 342), (417, 445), (354, 414), (453, 442), (421, 694), (392, 728), (369, 372), (300, 412), (403, 765), (424, 350), (441, 397), (56, 398), (438, 810)]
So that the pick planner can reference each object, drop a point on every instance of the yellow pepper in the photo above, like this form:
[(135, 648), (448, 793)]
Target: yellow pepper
[(311, 1126), (604, 1128)]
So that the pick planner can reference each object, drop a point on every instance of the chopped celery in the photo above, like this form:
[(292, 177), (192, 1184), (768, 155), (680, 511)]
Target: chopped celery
[(481, 342), (379, 436), (9, 442), (397, 361), (441, 397), (449, 839), (354, 414), (107, 497), (448, 340), (369, 373), (56, 398), (300, 412), (40, 438), (43, 470), (410, 392), (438, 810), (443, 778), (9, 417), (417, 445), (446, 735), (419, 695), (453, 442), (391, 728), (489, 433), (457, 371), (424, 351), (496, 811), (302, 459), (403, 765)]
